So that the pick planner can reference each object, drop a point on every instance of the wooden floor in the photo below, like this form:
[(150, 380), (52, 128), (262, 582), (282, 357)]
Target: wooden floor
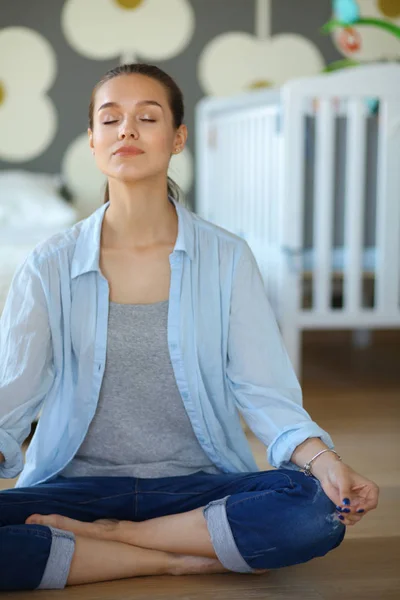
[(355, 395)]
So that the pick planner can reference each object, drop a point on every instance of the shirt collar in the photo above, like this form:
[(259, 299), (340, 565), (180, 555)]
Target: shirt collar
[(86, 256)]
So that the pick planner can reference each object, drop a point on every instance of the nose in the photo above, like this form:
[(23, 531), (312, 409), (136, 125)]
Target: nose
[(128, 130)]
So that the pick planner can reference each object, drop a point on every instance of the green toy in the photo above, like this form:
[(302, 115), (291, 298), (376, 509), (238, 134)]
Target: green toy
[(347, 15)]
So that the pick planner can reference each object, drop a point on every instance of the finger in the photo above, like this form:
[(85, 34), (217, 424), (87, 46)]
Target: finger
[(371, 502), (351, 510), (355, 506), (348, 513), (362, 505), (349, 520), (353, 518)]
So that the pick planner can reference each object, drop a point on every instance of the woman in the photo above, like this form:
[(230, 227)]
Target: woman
[(140, 333)]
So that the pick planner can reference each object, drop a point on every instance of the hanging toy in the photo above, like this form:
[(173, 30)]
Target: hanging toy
[(348, 18), (346, 11)]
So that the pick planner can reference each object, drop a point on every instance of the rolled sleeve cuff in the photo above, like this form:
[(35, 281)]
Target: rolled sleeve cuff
[(11, 451), (283, 446)]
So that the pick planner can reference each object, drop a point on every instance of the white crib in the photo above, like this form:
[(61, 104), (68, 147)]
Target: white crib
[(272, 167)]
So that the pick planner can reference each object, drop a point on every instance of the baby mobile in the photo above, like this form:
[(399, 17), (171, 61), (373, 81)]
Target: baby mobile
[(347, 17)]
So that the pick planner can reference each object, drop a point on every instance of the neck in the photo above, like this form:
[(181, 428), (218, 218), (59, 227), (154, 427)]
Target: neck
[(140, 216)]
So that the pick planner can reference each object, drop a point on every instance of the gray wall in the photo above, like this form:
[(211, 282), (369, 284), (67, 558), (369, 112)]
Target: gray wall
[(76, 74)]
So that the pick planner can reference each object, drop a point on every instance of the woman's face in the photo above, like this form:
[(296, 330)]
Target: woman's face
[(133, 133)]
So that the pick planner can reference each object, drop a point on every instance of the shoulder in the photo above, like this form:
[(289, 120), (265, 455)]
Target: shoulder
[(56, 249), (226, 241)]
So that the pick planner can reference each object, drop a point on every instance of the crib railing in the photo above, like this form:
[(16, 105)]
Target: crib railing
[(273, 167), (347, 95), (388, 209), (238, 162)]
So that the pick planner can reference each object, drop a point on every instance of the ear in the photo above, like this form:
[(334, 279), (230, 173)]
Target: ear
[(180, 139), (90, 135)]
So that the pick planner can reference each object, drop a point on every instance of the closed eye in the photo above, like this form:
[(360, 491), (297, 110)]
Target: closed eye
[(115, 121)]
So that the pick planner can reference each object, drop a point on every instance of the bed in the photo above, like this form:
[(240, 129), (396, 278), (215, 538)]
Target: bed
[(33, 207)]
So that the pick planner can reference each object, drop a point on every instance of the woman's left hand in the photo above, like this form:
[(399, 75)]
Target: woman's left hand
[(353, 494)]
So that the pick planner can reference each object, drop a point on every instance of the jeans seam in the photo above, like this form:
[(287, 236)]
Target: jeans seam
[(263, 493), (255, 555), (176, 493), (54, 500), (290, 481), (15, 531)]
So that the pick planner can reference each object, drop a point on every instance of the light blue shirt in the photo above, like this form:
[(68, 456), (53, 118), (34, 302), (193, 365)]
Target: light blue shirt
[(224, 344)]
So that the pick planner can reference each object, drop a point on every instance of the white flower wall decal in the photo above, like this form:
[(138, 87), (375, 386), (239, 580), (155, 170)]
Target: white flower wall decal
[(235, 62), (82, 176), (28, 118), (151, 29)]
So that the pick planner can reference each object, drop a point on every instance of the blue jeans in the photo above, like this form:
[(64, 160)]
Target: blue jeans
[(263, 520)]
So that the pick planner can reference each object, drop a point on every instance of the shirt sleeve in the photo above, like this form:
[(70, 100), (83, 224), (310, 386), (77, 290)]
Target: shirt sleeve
[(260, 375), (26, 365)]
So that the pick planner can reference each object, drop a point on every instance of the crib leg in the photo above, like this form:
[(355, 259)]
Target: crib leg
[(361, 338)]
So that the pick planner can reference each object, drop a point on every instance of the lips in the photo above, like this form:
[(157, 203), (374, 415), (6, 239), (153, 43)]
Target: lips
[(128, 151)]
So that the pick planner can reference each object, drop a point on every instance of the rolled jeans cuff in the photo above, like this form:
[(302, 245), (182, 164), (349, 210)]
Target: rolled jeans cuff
[(59, 562), (222, 538)]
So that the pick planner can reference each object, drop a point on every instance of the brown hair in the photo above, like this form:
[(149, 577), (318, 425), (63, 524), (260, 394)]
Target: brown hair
[(175, 97)]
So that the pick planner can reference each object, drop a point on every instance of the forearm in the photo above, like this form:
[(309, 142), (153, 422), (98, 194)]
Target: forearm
[(310, 448)]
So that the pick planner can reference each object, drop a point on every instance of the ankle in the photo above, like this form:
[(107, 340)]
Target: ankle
[(194, 565), (175, 564), (124, 532)]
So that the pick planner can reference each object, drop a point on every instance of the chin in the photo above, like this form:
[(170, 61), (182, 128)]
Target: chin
[(127, 174), (130, 175)]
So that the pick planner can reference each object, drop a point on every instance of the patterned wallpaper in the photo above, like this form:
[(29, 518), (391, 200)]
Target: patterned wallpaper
[(52, 52)]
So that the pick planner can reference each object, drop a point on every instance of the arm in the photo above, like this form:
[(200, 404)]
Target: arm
[(310, 448), (269, 397), (259, 372), (26, 366)]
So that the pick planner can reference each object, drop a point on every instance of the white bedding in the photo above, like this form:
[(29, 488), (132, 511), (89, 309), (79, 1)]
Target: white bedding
[(32, 209), (14, 248)]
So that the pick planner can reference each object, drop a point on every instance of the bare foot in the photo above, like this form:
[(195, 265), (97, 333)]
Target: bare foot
[(200, 565), (109, 529), (103, 529), (195, 565)]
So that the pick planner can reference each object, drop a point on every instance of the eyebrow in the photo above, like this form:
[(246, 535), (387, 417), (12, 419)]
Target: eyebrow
[(114, 104)]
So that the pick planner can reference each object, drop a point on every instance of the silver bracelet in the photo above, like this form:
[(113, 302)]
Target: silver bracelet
[(307, 466)]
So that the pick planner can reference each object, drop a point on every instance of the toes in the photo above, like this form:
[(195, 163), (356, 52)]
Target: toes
[(50, 520), (102, 529), (260, 571), (34, 520)]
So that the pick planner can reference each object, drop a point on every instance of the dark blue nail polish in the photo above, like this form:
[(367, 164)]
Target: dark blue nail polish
[(361, 510), (341, 517), (339, 508), (346, 501), (346, 510)]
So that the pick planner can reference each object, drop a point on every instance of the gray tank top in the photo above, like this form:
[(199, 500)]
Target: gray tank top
[(141, 428)]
